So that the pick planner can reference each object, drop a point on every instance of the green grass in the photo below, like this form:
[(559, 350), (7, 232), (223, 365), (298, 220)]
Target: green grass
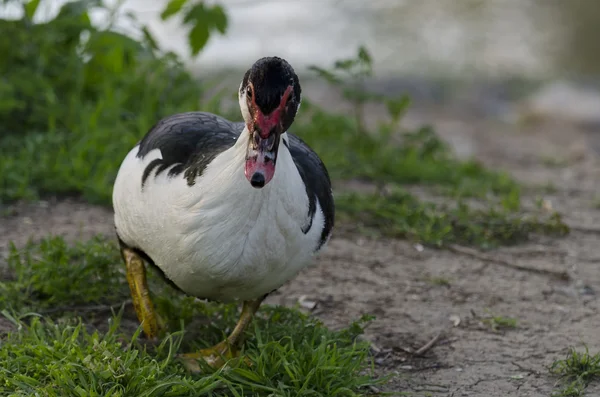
[(52, 274), (576, 371), (399, 214), (439, 281), (56, 351), (500, 323), (65, 359)]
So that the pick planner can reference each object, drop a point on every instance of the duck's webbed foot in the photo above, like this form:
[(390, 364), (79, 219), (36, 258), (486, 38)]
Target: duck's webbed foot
[(219, 354)]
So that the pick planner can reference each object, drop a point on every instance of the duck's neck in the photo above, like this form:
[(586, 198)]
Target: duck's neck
[(225, 178), (229, 165), (241, 146)]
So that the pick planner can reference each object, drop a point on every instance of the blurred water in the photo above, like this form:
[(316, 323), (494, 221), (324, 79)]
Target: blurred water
[(494, 38), (431, 38)]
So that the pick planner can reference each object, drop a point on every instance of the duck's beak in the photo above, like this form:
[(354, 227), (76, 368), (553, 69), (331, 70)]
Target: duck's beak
[(261, 157), (263, 145)]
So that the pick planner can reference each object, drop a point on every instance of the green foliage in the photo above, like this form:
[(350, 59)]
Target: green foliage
[(576, 371), (202, 20), (81, 274), (349, 75), (384, 155), (417, 157), (75, 98), (421, 157), (30, 8), (400, 214), (290, 353)]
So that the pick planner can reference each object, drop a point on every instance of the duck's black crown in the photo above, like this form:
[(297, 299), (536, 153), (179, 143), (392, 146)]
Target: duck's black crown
[(270, 77)]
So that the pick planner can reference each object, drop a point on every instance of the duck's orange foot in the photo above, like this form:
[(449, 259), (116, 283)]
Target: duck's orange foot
[(215, 357)]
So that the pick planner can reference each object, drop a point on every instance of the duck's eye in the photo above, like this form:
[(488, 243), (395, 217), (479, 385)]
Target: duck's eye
[(249, 92)]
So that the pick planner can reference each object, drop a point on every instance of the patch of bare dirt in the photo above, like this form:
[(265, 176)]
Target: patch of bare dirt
[(440, 299), (69, 218)]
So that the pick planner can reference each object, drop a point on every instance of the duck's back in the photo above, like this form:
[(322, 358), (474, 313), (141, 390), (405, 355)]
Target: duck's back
[(188, 142)]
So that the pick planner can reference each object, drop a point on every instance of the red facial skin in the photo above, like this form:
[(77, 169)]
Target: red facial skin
[(266, 123), (258, 164), (264, 160)]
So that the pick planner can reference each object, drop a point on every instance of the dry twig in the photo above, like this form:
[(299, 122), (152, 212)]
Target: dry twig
[(423, 349)]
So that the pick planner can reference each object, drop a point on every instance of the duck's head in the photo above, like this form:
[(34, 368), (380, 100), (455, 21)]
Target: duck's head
[(269, 98)]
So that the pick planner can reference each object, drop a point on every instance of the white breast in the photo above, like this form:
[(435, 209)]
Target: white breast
[(220, 239)]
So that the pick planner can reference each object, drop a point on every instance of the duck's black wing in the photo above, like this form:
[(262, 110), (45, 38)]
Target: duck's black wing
[(317, 182), (188, 142)]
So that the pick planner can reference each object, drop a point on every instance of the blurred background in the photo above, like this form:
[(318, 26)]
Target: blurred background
[(485, 51), (460, 39), (535, 39)]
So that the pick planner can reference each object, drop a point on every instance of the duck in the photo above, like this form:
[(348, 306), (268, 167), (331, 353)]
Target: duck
[(225, 211)]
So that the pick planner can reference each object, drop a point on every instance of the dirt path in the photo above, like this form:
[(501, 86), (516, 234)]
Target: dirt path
[(418, 293)]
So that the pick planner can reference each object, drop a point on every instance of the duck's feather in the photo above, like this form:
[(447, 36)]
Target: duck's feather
[(318, 185), (189, 141)]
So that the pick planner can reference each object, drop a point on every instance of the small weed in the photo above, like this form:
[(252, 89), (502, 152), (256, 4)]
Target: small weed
[(58, 355), (576, 371), (499, 323), (441, 281)]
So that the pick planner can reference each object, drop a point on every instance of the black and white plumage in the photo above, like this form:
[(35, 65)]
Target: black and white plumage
[(228, 211)]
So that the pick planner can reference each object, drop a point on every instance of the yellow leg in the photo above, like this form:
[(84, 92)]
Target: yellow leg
[(138, 285), (217, 355)]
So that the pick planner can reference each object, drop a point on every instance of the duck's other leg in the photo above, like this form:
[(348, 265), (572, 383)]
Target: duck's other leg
[(217, 355), (140, 294)]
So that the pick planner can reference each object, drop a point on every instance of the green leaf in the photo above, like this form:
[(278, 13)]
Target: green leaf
[(198, 37), (77, 8), (219, 18), (325, 74), (364, 56), (30, 8), (172, 8), (397, 106), (203, 20), (149, 38), (200, 18), (345, 64), (196, 15)]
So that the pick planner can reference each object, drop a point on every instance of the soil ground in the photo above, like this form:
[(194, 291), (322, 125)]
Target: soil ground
[(418, 293)]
